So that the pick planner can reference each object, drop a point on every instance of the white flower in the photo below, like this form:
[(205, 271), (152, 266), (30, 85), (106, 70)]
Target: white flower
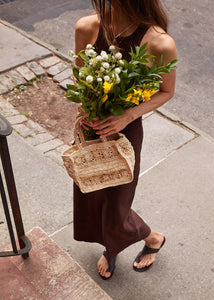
[(106, 65), (117, 70), (93, 61), (71, 53), (99, 79), (104, 55), (117, 79), (89, 79), (106, 78), (112, 48), (90, 52), (118, 55), (99, 57), (102, 69), (89, 46), (121, 62)]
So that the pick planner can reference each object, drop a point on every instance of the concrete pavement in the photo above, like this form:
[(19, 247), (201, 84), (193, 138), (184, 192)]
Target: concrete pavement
[(174, 195)]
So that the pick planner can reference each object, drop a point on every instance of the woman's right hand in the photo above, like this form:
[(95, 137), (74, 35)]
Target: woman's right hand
[(84, 124)]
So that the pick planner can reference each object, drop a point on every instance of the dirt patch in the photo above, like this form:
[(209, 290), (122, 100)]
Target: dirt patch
[(45, 103)]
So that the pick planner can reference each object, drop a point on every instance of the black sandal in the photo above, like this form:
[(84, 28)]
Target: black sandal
[(111, 266), (146, 250)]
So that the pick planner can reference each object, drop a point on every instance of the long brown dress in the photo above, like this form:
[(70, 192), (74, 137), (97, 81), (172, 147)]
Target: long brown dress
[(106, 216)]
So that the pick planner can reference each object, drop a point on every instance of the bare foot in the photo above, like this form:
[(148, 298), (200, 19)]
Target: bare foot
[(154, 240), (102, 266)]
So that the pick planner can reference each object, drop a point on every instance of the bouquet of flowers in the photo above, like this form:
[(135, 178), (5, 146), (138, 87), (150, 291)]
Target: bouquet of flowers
[(108, 84)]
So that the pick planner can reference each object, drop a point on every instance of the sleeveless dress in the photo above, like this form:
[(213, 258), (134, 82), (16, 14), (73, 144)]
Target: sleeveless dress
[(105, 216)]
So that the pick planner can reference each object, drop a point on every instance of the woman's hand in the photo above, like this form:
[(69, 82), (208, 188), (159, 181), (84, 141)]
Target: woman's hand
[(112, 124)]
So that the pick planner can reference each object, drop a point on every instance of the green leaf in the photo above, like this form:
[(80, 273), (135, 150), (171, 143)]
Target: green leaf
[(71, 87), (117, 110), (162, 60), (88, 85), (73, 97), (76, 72)]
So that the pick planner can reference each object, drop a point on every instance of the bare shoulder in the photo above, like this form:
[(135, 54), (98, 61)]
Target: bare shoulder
[(160, 42), (87, 26)]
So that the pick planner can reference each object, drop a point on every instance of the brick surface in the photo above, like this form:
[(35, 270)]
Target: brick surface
[(16, 77), (7, 82), (50, 61), (35, 68), (63, 75), (9, 112), (4, 104), (53, 273), (13, 283), (64, 83), (3, 89), (39, 139), (50, 145), (56, 69), (26, 73), (18, 119), (23, 130), (35, 126)]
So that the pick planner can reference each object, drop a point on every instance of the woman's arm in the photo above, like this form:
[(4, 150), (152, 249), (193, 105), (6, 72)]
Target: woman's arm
[(164, 45)]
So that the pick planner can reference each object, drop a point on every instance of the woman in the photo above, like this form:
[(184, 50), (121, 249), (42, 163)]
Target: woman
[(106, 216)]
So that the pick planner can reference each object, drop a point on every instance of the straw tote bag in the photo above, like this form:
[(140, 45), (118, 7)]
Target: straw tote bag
[(100, 163)]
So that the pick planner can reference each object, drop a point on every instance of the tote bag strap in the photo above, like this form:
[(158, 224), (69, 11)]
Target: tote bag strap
[(79, 135)]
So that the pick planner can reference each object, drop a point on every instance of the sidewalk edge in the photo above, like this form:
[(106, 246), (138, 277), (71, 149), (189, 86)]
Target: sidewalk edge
[(37, 41)]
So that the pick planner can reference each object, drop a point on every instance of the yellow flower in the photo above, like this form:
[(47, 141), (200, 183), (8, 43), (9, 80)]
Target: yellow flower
[(135, 100), (107, 87), (146, 95), (152, 92), (129, 97), (104, 98), (138, 91)]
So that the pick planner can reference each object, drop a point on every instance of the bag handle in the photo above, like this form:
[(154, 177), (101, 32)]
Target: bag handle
[(78, 134)]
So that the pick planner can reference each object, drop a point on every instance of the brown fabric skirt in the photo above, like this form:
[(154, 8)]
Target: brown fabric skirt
[(106, 216)]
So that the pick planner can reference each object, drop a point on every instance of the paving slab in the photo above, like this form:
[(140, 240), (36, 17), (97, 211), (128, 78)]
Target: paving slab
[(161, 138), (176, 198), (18, 49), (44, 189), (48, 273)]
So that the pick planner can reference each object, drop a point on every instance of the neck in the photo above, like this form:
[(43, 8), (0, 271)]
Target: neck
[(122, 24)]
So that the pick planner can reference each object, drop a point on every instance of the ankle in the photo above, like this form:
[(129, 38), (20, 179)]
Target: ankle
[(154, 238)]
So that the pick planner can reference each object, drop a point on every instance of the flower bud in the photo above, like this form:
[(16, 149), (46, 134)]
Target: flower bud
[(89, 79), (118, 55)]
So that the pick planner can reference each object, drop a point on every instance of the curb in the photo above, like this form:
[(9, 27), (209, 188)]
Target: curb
[(160, 110), (38, 41)]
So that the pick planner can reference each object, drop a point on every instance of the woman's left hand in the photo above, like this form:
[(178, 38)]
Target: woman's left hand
[(112, 124)]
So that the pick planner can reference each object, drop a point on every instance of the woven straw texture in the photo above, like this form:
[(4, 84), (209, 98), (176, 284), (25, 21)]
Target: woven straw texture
[(98, 164)]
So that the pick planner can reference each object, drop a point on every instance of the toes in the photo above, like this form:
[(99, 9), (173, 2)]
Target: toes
[(107, 274)]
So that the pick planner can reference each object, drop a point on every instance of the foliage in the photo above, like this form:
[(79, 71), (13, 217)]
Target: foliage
[(108, 84)]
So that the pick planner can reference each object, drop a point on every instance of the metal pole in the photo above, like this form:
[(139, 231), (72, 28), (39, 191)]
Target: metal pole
[(7, 214), (11, 187)]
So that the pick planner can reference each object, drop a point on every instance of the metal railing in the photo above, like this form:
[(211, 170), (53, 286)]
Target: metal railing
[(24, 242)]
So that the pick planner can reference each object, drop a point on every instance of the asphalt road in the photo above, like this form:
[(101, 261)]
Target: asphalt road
[(191, 25)]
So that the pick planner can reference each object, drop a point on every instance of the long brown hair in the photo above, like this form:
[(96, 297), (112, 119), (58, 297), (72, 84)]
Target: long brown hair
[(146, 12)]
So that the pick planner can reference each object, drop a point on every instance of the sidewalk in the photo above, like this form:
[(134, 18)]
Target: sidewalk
[(174, 195)]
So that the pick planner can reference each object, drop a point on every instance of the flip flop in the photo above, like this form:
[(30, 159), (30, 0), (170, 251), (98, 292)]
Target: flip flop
[(146, 250), (111, 266)]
